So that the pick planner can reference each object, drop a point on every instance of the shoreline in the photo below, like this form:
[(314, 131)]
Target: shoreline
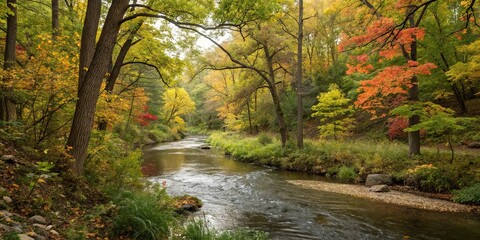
[(392, 197)]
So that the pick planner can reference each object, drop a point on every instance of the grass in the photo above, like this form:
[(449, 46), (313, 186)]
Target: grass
[(352, 160), (198, 229)]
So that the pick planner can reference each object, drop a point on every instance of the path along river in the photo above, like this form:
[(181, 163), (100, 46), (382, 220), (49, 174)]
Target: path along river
[(237, 194)]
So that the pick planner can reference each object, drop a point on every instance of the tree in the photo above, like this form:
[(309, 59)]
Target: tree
[(391, 39), (177, 103), (299, 76), (8, 110), (94, 61), (335, 113)]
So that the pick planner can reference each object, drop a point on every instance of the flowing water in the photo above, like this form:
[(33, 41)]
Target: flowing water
[(237, 194)]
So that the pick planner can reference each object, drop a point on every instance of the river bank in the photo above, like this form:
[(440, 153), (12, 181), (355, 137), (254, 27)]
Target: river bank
[(391, 197), (352, 161)]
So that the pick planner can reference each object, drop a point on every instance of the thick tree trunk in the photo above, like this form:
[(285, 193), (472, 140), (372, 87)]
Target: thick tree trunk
[(413, 137), (89, 88), (299, 76), (89, 36), (55, 18), (7, 106)]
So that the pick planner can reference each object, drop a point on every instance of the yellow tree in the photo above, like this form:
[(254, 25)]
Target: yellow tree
[(177, 103)]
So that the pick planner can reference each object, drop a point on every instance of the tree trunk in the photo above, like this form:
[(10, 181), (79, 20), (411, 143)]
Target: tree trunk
[(89, 36), (299, 76), (413, 137), (7, 106), (89, 87), (276, 100), (115, 71), (55, 18)]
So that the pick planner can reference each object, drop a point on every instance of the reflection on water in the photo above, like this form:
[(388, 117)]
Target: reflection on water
[(236, 194)]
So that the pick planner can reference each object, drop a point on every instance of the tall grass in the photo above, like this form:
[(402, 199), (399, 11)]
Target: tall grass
[(143, 215), (198, 229)]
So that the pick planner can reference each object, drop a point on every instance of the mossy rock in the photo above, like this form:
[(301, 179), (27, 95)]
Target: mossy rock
[(186, 204)]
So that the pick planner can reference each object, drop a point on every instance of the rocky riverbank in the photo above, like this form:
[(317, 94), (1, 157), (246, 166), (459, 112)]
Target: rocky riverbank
[(391, 197)]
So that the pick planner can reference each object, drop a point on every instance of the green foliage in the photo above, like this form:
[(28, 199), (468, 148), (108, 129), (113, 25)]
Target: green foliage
[(347, 174), (334, 112), (111, 164), (429, 178), (143, 215), (264, 139), (198, 229), (469, 195), (12, 235)]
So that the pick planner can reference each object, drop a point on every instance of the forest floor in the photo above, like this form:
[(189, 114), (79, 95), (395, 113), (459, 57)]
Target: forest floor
[(416, 200)]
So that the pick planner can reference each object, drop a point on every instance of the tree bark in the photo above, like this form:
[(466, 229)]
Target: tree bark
[(413, 137), (55, 18), (282, 126), (8, 110), (299, 76), (89, 36), (89, 87)]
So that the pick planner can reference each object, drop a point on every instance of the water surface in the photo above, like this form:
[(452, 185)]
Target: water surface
[(237, 194)]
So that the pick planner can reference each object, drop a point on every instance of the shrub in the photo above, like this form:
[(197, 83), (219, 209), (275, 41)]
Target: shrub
[(347, 174), (429, 178), (143, 215), (264, 139), (470, 195)]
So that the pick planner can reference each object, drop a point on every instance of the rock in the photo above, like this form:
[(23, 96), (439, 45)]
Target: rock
[(53, 232), (189, 208), (41, 226), (5, 213), (49, 227), (17, 229), (474, 145), (378, 179), (25, 237), (205, 147), (38, 219), (379, 188), (8, 158), (7, 199)]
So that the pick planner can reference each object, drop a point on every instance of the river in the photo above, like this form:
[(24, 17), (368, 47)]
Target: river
[(237, 194)]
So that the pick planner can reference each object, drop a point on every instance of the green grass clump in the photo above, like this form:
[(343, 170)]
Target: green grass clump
[(143, 215), (200, 230), (347, 174), (469, 195)]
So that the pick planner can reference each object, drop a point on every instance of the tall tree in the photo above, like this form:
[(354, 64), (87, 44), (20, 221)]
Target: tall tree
[(55, 18), (300, 76), (8, 110), (92, 74)]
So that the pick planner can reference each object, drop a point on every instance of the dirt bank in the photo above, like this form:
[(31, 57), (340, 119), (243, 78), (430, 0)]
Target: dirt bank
[(393, 197)]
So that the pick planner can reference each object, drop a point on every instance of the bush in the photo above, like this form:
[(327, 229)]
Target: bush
[(429, 179), (347, 174), (470, 195), (143, 215), (264, 139)]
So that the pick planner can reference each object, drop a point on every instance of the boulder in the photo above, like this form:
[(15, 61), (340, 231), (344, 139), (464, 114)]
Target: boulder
[(378, 179), (379, 188), (8, 158), (38, 219), (41, 226), (474, 145), (53, 232)]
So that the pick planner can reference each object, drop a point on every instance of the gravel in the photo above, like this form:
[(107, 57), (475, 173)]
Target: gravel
[(392, 197)]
